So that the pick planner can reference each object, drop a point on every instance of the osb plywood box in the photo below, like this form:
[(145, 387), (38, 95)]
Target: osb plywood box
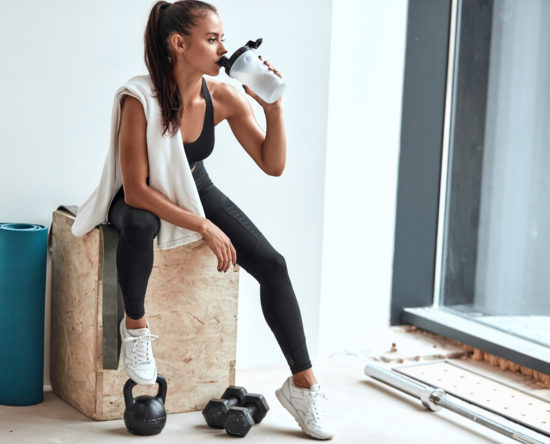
[(189, 305)]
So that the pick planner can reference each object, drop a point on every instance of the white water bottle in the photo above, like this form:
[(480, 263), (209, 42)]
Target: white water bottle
[(246, 66)]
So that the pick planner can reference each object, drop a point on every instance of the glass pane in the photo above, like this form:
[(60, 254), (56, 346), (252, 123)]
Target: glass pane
[(496, 249)]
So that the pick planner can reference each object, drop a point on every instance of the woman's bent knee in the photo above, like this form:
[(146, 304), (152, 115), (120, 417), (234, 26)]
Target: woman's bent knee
[(276, 262), (141, 223), (273, 270)]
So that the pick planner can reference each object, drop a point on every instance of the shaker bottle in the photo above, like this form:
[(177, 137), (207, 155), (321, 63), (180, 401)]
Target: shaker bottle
[(245, 65)]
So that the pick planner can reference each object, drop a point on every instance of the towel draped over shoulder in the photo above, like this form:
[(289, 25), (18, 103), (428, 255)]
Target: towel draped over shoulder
[(169, 171)]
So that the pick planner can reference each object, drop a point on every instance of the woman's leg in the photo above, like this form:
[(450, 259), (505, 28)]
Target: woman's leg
[(279, 305), (134, 258), (258, 257)]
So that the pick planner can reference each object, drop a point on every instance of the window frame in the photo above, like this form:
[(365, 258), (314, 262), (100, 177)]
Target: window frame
[(422, 177)]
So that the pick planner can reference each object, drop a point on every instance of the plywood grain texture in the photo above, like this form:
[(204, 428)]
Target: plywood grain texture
[(189, 305)]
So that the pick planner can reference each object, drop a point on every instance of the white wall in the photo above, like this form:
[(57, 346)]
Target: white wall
[(61, 65), (287, 209), (366, 76), (63, 61)]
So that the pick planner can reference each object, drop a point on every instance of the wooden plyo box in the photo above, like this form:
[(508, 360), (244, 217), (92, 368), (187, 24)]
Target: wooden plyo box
[(189, 305)]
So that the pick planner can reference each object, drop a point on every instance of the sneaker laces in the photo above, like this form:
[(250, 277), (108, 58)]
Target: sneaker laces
[(140, 350), (318, 400)]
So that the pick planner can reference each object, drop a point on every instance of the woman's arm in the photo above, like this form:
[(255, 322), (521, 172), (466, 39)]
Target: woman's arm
[(268, 149), (135, 166), (274, 149)]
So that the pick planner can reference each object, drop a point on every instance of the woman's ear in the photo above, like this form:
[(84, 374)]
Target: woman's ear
[(178, 43)]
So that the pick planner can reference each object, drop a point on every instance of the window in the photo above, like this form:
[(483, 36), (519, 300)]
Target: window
[(472, 236), (495, 245)]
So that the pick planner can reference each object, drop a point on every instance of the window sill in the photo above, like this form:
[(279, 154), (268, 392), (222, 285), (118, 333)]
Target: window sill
[(505, 345)]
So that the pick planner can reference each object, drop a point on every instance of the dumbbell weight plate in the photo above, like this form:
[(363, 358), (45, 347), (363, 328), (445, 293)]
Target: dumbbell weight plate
[(257, 401), (216, 410), (240, 419)]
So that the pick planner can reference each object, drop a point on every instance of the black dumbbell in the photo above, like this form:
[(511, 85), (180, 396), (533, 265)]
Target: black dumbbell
[(216, 410), (240, 419)]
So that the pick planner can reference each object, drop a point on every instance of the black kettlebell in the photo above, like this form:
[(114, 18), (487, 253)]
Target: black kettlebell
[(145, 415)]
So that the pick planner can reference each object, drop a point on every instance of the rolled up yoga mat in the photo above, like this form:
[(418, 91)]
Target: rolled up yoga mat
[(22, 296)]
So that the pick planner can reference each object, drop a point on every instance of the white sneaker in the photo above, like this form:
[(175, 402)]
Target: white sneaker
[(137, 353), (307, 406)]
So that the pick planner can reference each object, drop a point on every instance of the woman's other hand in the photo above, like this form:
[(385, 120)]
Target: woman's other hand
[(220, 244), (255, 96)]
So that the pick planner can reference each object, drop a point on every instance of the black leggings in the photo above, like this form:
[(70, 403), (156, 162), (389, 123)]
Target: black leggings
[(137, 229)]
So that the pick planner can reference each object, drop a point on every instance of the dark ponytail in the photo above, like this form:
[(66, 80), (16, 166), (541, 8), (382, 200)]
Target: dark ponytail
[(165, 18)]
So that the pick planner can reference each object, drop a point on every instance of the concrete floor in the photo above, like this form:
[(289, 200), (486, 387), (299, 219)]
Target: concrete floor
[(360, 410)]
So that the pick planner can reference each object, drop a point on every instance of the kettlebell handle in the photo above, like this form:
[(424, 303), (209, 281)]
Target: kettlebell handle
[(162, 388), (129, 399)]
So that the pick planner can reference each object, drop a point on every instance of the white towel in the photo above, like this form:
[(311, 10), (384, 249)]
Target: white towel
[(169, 171)]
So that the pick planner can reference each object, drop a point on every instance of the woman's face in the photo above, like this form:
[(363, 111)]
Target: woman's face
[(204, 47)]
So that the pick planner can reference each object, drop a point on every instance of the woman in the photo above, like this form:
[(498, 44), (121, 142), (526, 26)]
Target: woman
[(183, 41)]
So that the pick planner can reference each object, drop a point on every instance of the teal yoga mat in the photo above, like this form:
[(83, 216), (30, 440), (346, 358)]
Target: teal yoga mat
[(22, 296)]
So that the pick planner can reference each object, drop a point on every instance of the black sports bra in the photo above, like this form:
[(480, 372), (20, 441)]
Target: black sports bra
[(202, 147)]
